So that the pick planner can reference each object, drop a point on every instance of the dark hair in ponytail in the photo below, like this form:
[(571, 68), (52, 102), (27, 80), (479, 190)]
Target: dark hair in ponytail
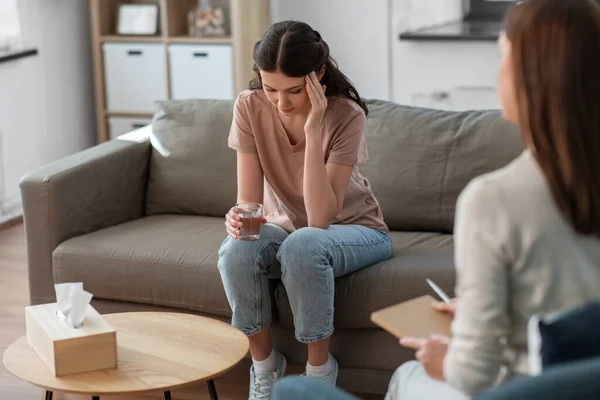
[(296, 49)]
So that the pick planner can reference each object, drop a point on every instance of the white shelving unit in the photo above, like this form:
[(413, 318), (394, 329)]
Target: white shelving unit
[(132, 72)]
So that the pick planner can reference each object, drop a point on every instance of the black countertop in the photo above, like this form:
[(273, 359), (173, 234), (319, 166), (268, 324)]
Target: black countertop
[(457, 31), (16, 54)]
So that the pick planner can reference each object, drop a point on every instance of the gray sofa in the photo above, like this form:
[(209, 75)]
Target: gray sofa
[(140, 221)]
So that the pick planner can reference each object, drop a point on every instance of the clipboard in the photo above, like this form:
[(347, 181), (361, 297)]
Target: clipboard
[(413, 318)]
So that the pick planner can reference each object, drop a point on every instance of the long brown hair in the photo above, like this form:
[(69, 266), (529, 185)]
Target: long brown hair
[(296, 49), (556, 60)]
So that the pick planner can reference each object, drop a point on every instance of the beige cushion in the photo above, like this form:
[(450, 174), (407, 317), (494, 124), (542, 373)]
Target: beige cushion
[(192, 171), (417, 256), (420, 160), (165, 260)]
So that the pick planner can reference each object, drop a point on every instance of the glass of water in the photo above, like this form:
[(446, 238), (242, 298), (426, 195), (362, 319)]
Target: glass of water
[(251, 215)]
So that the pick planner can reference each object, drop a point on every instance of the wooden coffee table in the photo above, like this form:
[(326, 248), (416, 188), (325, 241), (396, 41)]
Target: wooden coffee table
[(156, 352)]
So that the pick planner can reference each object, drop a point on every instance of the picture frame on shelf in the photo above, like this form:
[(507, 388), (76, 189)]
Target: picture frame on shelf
[(207, 22), (137, 19)]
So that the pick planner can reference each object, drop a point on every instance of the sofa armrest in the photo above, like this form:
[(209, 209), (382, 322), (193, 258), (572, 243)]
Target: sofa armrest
[(94, 189)]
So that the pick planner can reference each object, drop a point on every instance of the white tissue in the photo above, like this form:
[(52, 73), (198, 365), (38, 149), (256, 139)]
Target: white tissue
[(72, 302)]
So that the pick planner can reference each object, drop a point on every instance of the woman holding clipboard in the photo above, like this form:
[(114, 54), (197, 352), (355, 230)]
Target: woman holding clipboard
[(527, 237)]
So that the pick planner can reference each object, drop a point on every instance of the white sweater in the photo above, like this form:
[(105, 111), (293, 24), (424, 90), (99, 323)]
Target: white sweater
[(515, 256)]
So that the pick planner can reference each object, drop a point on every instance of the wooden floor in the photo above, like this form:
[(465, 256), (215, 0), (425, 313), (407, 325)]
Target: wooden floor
[(14, 295)]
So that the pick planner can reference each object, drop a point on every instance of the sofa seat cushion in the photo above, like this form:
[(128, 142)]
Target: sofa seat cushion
[(171, 260), (416, 256), (168, 260)]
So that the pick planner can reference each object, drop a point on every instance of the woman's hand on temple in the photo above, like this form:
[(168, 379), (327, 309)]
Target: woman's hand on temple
[(318, 101)]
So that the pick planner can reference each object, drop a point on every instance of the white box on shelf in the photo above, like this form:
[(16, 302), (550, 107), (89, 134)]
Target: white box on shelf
[(201, 71), (135, 75), (120, 125)]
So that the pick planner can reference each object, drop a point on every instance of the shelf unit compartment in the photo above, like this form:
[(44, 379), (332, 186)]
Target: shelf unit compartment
[(201, 71), (135, 76), (245, 21), (109, 16), (177, 17)]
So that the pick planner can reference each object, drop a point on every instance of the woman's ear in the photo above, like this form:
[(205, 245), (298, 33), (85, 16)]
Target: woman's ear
[(321, 73)]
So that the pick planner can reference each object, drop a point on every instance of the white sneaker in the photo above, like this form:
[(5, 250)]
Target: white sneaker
[(260, 385), (330, 379)]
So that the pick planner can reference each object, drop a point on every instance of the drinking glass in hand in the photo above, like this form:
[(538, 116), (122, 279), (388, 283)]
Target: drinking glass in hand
[(251, 217)]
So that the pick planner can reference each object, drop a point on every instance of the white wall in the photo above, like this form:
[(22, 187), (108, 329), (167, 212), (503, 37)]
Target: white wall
[(46, 102), (358, 34), (61, 31), (21, 130)]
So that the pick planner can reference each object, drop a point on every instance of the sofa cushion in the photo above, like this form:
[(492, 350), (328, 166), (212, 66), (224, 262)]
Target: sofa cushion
[(416, 257), (420, 160), (171, 260), (165, 260), (192, 171)]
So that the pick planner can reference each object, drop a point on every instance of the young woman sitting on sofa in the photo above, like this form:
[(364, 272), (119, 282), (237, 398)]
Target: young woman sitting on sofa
[(298, 133), (527, 237)]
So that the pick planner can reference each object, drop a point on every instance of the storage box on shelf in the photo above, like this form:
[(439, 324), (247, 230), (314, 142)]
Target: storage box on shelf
[(212, 61), (120, 125), (132, 72), (135, 76)]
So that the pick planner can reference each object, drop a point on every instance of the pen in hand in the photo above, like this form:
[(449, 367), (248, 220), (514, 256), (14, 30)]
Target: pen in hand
[(439, 291)]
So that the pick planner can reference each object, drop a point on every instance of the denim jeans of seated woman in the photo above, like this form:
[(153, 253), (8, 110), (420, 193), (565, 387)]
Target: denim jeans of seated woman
[(307, 261)]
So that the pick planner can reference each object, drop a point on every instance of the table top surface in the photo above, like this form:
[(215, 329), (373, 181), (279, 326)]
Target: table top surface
[(155, 351)]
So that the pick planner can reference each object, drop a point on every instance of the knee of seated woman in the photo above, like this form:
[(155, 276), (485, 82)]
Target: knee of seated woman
[(302, 246), (234, 253)]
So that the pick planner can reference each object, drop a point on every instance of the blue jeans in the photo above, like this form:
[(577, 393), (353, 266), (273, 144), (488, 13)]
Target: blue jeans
[(300, 388), (572, 380), (306, 261)]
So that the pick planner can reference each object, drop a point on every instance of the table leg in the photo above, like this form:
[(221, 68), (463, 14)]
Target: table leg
[(48, 395), (167, 395), (95, 397), (212, 390)]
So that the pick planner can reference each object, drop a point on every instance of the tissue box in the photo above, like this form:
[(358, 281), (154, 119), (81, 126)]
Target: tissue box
[(68, 351)]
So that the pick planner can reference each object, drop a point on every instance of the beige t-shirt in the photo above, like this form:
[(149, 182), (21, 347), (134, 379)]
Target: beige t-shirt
[(257, 128)]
